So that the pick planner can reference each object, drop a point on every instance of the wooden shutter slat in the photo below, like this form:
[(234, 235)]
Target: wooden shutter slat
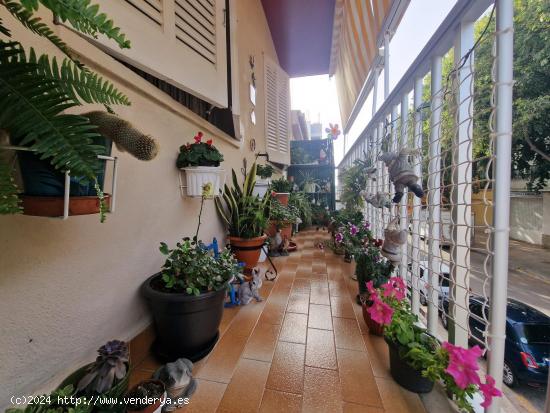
[(151, 9)]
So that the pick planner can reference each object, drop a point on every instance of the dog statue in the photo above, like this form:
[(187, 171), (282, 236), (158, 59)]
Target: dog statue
[(178, 379)]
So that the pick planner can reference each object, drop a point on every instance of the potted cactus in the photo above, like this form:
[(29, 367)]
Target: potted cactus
[(246, 216), (201, 163), (108, 376)]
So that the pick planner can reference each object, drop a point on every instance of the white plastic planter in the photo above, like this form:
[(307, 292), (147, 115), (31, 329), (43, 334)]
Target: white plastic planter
[(197, 176), (261, 186)]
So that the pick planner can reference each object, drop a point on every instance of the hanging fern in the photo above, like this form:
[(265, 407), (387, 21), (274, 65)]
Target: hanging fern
[(35, 93)]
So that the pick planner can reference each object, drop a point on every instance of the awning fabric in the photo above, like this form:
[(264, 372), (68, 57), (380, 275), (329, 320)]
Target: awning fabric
[(357, 24)]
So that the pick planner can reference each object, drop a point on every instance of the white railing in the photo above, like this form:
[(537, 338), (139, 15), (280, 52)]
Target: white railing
[(458, 211)]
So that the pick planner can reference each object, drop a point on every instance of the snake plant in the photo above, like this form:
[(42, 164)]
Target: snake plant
[(245, 215)]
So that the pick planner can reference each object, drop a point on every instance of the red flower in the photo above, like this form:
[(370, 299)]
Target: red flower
[(209, 142), (198, 137), (273, 194)]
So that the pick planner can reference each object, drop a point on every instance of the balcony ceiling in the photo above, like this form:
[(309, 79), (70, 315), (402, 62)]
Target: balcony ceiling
[(302, 33)]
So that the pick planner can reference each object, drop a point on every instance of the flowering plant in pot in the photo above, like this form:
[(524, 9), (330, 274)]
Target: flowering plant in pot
[(282, 218), (201, 163), (246, 218), (282, 188), (417, 360)]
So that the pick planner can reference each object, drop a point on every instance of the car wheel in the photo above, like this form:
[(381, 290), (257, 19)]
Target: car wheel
[(423, 300), (508, 376), (444, 320)]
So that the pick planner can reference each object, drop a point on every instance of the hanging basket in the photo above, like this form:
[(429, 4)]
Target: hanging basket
[(198, 176)]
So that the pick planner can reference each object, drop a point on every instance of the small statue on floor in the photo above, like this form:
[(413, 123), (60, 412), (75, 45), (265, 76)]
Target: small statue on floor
[(402, 173), (251, 289), (394, 238), (378, 200), (275, 244), (178, 379)]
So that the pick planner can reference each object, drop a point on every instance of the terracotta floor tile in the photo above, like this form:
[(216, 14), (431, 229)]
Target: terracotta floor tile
[(273, 313), (358, 408), (398, 400), (298, 303), (262, 342), (223, 359), (139, 375), (338, 288), (320, 350), (244, 322), (150, 363), (206, 398), (227, 318), (347, 334), (245, 390), (294, 328), (287, 368), (276, 402), (319, 296), (341, 307), (321, 391), (141, 344), (378, 353), (320, 317), (301, 286), (357, 379)]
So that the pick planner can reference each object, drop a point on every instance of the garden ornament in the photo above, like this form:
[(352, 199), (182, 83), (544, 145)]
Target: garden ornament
[(394, 238), (276, 244), (251, 289), (178, 379), (378, 200), (401, 173)]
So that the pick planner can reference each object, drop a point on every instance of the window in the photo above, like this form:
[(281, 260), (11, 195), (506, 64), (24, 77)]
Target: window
[(277, 112), (181, 42)]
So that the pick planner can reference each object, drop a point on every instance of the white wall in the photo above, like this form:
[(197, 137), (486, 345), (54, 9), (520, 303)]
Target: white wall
[(526, 218), (68, 287)]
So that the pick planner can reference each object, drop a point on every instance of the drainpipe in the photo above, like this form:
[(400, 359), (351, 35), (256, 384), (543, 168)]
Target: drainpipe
[(386, 64)]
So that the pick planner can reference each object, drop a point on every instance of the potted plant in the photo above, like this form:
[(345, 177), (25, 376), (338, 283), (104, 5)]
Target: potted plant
[(147, 396), (300, 202), (416, 358), (282, 218), (262, 185), (310, 185), (35, 93), (246, 217), (282, 188), (107, 376), (187, 297), (201, 163)]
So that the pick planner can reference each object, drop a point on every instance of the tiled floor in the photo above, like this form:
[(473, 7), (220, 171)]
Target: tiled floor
[(305, 348)]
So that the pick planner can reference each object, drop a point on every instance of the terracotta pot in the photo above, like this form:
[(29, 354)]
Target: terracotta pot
[(374, 327), (282, 197), (285, 231), (247, 250), (52, 206), (156, 407), (292, 246)]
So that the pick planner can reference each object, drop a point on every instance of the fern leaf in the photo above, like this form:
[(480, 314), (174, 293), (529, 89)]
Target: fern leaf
[(85, 18), (31, 107), (9, 201), (34, 24)]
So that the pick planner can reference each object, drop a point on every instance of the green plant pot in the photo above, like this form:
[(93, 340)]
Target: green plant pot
[(116, 392)]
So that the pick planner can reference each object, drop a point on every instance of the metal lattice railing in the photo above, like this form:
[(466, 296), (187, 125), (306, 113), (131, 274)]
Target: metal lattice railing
[(456, 255)]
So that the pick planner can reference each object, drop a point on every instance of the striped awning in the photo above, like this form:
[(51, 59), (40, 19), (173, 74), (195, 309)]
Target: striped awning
[(357, 25)]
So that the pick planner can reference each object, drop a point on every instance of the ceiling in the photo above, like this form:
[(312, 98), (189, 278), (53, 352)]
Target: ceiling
[(302, 33)]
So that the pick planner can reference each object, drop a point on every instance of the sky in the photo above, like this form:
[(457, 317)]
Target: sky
[(316, 95)]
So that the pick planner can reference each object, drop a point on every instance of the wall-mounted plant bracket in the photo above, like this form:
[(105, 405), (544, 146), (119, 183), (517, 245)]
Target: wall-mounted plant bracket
[(67, 184)]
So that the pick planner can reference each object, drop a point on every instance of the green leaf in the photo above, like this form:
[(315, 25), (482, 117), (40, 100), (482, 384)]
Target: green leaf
[(164, 248)]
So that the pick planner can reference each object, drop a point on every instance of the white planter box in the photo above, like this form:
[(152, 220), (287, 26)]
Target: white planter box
[(197, 176), (261, 186)]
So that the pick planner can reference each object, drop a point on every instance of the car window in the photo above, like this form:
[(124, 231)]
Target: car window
[(534, 333), (475, 308)]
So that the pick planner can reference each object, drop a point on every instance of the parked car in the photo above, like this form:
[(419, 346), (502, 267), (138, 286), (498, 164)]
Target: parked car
[(527, 348), (423, 283)]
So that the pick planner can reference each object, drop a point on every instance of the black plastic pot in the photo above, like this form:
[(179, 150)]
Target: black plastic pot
[(185, 325), (405, 375)]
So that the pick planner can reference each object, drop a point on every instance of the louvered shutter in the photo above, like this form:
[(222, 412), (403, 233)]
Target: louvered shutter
[(277, 112), (180, 41)]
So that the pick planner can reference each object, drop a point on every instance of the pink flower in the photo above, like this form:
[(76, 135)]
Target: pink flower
[(338, 238), (367, 225), (489, 391), (353, 230), (395, 287), (380, 311), (370, 288), (463, 364)]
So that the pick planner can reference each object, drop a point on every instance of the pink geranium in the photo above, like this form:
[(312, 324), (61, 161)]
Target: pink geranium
[(395, 287), (353, 230), (489, 391), (370, 288), (338, 238), (463, 364), (380, 311)]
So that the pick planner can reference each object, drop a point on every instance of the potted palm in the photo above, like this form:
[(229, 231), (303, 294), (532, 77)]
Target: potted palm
[(264, 172), (201, 163), (245, 216), (281, 188)]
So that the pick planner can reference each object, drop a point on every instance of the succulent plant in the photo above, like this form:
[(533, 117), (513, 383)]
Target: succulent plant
[(110, 366), (124, 135)]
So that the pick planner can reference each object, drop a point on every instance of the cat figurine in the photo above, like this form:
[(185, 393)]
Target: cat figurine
[(251, 289), (178, 379)]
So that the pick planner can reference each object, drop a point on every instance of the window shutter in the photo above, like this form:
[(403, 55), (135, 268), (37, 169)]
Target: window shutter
[(180, 41), (277, 112)]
